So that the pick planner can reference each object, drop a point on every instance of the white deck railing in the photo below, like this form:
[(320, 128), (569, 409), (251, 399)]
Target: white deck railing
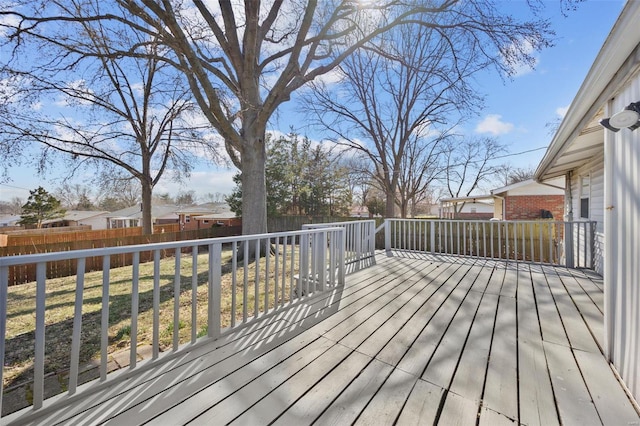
[(295, 266), (534, 241), (360, 243)]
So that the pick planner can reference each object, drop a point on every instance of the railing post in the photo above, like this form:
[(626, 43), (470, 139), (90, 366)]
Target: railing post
[(387, 237), (568, 245)]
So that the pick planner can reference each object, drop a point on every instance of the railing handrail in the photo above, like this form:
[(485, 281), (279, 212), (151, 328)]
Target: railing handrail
[(77, 254), (332, 224), (488, 220)]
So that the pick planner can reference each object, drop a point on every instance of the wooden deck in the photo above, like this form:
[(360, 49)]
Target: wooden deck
[(419, 340)]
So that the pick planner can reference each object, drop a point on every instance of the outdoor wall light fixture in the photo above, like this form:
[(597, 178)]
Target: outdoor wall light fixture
[(628, 117)]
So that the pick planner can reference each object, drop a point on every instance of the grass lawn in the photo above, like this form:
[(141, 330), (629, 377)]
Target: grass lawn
[(60, 300)]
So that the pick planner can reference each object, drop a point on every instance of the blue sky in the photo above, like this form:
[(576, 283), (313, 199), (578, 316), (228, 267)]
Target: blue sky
[(517, 112)]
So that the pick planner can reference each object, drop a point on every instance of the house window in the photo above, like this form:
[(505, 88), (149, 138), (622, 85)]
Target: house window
[(205, 221), (187, 219), (473, 210), (585, 195)]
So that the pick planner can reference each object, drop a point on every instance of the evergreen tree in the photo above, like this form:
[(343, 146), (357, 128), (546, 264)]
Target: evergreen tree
[(301, 180), (40, 206)]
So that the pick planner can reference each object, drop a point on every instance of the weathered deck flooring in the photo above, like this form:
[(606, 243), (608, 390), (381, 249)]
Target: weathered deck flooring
[(408, 341)]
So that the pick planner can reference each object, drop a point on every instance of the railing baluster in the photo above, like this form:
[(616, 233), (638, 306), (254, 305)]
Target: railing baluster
[(4, 294), (333, 254), (38, 365), (77, 328), (155, 344), (245, 282), (555, 240), (284, 272), (540, 234), (276, 273), (293, 260), (194, 294), (234, 282), (134, 309), (484, 238), (215, 289), (322, 272), (532, 232), (267, 258), (491, 227), (256, 281), (501, 225), (176, 300), (584, 231), (515, 241), (104, 321)]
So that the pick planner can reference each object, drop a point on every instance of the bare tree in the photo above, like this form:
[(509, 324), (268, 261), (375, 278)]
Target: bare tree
[(75, 196), (116, 114), (398, 101), (469, 163), (13, 207), (397, 97), (244, 59), (118, 191)]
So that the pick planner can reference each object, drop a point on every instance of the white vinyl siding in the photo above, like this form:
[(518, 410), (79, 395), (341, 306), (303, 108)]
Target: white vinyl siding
[(622, 271), (594, 170)]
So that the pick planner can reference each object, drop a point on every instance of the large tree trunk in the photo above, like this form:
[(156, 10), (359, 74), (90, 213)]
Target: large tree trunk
[(254, 187), (147, 225), (390, 206)]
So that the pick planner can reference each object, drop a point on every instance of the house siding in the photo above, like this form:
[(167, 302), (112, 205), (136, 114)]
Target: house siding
[(595, 171), (622, 224)]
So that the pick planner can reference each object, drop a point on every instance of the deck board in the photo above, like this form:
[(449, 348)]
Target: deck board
[(577, 331), (408, 341), (537, 405), (501, 388)]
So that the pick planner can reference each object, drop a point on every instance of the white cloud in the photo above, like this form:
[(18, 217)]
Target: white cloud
[(562, 111), (494, 125)]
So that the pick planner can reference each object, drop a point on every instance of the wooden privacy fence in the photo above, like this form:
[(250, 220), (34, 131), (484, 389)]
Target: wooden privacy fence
[(54, 235), (27, 273)]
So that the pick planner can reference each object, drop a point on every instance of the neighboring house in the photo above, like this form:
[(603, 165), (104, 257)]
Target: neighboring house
[(474, 207), (217, 219), (132, 216), (602, 170), (530, 200), (206, 216), (94, 219)]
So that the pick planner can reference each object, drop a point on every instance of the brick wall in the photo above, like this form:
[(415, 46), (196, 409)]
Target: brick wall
[(527, 207)]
